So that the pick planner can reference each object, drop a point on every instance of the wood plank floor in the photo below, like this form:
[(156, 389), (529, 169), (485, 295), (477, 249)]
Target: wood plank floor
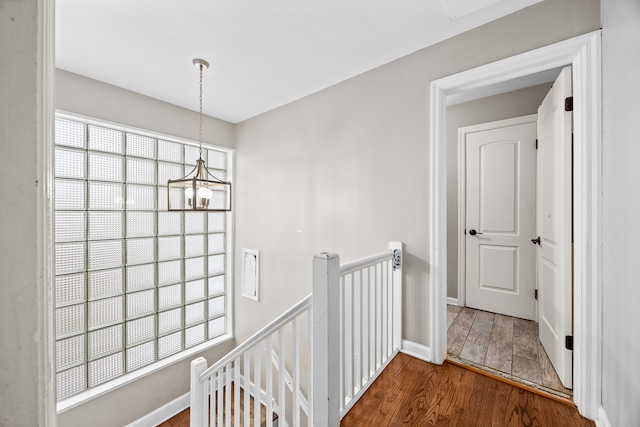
[(180, 420), (411, 392), (508, 346)]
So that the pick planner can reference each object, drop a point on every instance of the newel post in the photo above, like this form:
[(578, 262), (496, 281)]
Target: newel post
[(326, 340), (198, 395), (398, 249)]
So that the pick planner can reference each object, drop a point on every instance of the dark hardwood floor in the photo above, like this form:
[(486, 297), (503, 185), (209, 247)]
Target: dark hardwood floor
[(411, 392), (180, 420)]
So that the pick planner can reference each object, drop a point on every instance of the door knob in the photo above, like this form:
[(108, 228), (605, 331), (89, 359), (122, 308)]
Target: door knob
[(536, 241), (474, 232)]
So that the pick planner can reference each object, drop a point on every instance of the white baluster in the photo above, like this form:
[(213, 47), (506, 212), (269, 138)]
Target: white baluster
[(366, 328), (389, 300), (372, 324), (378, 288), (383, 300), (268, 360), (257, 376), (348, 349), (236, 391), (343, 342), (357, 330), (296, 372), (310, 388), (220, 392), (227, 395), (247, 388), (282, 396)]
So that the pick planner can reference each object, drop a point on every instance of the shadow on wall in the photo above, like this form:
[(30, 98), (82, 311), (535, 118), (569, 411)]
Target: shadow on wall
[(416, 279)]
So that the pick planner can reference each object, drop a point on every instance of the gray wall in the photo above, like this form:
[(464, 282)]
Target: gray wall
[(23, 342), (89, 97), (505, 106), (621, 212), (346, 169)]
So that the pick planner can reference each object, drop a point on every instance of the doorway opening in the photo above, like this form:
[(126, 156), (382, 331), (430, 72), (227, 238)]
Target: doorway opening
[(583, 54), (492, 319)]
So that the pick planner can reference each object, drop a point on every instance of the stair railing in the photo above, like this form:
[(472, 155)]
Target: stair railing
[(216, 391), (354, 317), (357, 327)]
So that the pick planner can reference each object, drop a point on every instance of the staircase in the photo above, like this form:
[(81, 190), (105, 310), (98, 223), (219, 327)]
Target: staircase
[(220, 415), (309, 366)]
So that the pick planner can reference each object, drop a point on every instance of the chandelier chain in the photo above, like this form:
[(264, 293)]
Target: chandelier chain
[(201, 67)]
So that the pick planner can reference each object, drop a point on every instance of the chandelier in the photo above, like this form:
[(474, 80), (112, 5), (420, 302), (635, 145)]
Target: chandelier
[(200, 190)]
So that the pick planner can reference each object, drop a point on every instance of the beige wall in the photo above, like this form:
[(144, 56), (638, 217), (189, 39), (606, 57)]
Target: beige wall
[(505, 106), (89, 97), (621, 212), (346, 169)]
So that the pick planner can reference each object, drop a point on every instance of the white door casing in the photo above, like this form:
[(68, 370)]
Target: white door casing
[(583, 53), (554, 226), (500, 220)]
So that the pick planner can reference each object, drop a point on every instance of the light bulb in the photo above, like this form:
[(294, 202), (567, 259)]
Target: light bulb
[(188, 193), (204, 193)]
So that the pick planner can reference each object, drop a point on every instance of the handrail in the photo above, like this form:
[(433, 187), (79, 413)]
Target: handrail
[(281, 320), (361, 263)]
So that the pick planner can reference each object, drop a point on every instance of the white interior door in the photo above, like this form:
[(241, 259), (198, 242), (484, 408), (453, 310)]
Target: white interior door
[(500, 220), (554, 226)]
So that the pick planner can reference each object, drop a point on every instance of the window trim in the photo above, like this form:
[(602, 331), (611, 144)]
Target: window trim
[(101, 389)]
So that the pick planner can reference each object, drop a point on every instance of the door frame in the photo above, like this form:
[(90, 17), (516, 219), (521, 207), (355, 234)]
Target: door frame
[(583, 53), (462, 191), (46, 69)]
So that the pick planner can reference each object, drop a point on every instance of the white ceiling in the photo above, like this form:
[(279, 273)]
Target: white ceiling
[(263, 53)]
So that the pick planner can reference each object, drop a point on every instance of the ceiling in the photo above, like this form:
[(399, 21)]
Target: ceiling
[(263, 53)]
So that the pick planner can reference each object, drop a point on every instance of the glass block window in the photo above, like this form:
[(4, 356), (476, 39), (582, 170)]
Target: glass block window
[(134, 284)]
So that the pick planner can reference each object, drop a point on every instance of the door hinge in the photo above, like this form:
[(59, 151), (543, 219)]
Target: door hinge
[(535, 295), (568, 342), (568, 103), (536, 144)]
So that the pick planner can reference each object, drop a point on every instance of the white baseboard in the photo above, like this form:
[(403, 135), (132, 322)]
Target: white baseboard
[(163, 413), (602, 420), (416, 350), (452, 301)]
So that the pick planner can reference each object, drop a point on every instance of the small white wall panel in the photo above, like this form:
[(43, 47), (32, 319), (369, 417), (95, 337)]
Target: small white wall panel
[(250, 274)]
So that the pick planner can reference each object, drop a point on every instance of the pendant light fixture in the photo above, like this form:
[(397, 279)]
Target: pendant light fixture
[(200, 190)]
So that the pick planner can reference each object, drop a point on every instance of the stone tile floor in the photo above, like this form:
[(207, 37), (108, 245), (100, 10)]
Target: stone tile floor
[(504, 344)]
